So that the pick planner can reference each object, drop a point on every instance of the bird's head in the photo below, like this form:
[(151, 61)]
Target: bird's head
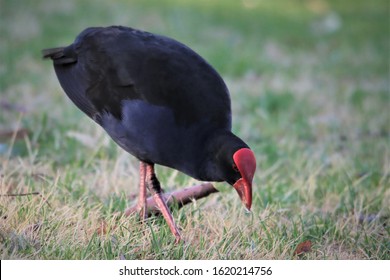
[(237, 167), (229, 159)]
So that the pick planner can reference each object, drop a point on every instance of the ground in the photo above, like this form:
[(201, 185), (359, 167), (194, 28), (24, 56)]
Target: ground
[(309, 83)]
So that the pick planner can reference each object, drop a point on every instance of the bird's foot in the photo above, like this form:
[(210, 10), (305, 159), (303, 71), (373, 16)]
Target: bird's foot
[(162, 206)]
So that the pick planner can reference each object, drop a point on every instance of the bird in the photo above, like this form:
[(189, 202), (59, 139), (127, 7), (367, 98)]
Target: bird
[(161, 102)]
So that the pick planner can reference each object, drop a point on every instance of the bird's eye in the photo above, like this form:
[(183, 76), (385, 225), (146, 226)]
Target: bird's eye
[(235, 167)]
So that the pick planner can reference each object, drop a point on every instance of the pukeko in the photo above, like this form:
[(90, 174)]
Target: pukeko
[(161, 102)]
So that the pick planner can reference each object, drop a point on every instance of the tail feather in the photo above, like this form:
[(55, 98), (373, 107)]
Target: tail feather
[(53, 52), (58, 56)]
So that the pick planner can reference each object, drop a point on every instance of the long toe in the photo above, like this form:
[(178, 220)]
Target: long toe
[(142, 213)]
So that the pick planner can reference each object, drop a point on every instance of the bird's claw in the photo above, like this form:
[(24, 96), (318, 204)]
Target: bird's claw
[(179, 240)]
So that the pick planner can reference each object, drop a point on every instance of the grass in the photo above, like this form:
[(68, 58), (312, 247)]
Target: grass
[(309, 82)]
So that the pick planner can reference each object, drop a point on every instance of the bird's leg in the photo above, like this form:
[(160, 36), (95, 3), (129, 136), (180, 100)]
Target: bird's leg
[(155, 188), (141, 204)]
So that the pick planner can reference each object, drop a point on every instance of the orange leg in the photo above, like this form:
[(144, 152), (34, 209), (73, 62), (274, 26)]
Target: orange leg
[(141, 204), (154, 187)]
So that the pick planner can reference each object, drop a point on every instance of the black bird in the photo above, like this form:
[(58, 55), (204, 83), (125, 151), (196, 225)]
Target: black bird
[(161, 102)]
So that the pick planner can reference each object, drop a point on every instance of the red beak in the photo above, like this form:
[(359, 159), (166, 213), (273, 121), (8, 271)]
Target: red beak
[(244, 190), (246, 163)]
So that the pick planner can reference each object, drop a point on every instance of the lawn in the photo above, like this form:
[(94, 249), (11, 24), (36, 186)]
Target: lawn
[(309, 82)]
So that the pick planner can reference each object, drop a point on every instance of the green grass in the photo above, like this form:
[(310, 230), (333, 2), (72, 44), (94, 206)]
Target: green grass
[(309, 82)]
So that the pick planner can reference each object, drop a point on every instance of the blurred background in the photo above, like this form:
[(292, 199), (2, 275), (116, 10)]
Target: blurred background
[(303, 68), (309, 81)]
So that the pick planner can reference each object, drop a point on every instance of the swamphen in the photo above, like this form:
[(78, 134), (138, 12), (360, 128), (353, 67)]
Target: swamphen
[(161, 102)]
